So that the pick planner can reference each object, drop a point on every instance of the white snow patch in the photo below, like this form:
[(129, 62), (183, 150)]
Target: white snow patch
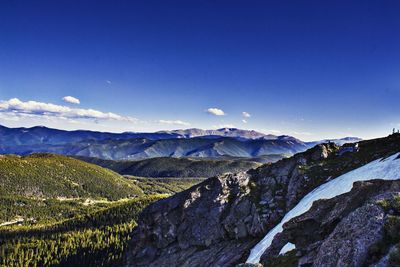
[(386, 169), (286, 248)]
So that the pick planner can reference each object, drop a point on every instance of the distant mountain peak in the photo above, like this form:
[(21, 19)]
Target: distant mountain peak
[(225, 132)]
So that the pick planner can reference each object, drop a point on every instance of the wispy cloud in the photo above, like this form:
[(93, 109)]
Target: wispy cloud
[(71, 99), (108, 81), (216, 111), (16, 106), (246, 114), (244, 121), (174, 122)]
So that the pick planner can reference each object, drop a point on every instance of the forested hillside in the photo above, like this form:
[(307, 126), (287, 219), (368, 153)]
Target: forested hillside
[(56, 210), (94, 239), (49, 176), (175, 167)]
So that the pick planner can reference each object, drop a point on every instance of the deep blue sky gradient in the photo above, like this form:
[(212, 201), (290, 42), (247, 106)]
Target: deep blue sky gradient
[(312, 69)]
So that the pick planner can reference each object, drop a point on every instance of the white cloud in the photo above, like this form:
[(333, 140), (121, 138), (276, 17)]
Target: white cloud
[(246, 114), (29, 108), (174, 122), (71, 99), (108, 81), (216, 111), (244, 121)]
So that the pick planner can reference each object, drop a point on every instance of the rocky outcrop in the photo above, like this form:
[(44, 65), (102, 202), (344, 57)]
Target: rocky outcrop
[(217, 222), (340, 231), (203, 226)]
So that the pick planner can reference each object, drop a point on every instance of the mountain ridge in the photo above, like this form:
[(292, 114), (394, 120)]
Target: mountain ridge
[(218, 143), (81, 134), (134, 149)]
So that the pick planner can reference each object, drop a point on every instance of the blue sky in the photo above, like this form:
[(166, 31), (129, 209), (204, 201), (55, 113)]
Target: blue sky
[(314, 69)]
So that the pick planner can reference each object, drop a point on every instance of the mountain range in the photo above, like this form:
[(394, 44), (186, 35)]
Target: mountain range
[(44, 135), (224, 142)]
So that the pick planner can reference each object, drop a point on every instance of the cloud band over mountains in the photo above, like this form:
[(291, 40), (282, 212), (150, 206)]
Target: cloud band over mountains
[(16, 106)]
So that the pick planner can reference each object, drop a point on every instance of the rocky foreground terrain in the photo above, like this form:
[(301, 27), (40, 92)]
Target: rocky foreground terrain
[(217, 222)]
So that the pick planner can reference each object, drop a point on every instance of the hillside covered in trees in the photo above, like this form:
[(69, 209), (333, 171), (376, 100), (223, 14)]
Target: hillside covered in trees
[(56, 210), (178, 167)]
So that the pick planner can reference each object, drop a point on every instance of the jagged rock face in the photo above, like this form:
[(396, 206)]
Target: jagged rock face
[(339, 231), (362, 228), (217, 222), (193, 228), (282, 184)]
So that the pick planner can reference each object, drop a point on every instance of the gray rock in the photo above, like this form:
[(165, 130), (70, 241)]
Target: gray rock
[(361, 229), (217, 222), (338, 231)]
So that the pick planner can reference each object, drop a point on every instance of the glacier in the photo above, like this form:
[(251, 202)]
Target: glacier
[(384, 168)]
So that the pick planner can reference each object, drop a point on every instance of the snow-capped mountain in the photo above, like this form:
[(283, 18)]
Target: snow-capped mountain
[(226, 132)]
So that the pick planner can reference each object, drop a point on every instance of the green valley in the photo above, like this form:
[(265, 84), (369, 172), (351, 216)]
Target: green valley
[(56, 210)]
